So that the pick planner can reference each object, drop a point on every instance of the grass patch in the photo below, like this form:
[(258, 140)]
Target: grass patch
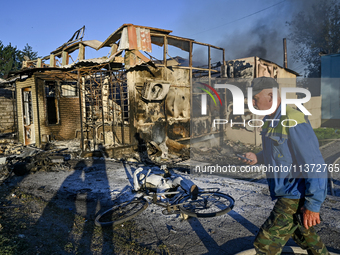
[(327, 133), (323, 134)]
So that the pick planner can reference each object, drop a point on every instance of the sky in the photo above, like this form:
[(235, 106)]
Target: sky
[(244, 28)]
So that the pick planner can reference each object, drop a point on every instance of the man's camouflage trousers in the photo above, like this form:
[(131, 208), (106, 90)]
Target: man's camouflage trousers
[(282, 224)]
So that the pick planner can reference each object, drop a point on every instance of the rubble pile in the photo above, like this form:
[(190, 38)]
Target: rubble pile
[(10, 147), (4, 173), (20, 160), (73, 146), (225, 154)]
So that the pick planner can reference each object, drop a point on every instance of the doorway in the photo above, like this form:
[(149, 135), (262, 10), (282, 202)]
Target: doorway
[(28, 120)]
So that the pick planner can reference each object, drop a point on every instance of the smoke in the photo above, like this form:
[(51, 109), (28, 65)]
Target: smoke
[(265, 42), (265, 37), (260, 33)]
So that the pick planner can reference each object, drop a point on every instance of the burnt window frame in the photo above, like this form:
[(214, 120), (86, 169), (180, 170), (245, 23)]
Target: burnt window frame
[(70, 83), (52, 94)]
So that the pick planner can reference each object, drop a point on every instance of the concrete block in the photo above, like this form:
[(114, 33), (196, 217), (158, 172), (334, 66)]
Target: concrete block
[(2, 160), (315, 123), (56, 159)]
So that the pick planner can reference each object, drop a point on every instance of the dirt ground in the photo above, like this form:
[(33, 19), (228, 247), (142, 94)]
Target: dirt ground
[(53, 213), (30, 225)]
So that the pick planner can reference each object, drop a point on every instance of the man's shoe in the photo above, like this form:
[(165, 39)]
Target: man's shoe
[(194, 192)]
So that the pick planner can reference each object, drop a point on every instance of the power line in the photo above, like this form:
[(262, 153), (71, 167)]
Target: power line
[(298, 67), (239, 18), (299, 70)]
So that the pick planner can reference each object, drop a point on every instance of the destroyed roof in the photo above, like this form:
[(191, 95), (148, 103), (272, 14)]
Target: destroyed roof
[(9, 82), (89, 62), (94, 44), (128, 37), (287, 69), (115, 36), (80, 63), (74, 43)]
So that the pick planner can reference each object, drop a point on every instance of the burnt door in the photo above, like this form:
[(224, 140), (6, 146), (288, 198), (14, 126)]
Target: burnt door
[(28, 120)]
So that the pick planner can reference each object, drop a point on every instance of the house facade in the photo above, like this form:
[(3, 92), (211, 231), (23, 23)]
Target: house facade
[(146, 85)]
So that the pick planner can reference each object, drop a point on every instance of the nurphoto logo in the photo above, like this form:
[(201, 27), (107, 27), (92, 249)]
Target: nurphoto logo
[(238, 104), (238, 99)]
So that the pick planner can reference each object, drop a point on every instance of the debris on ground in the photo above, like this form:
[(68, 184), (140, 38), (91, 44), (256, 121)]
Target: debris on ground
[(225, 154), (10, 147), (20, 160)]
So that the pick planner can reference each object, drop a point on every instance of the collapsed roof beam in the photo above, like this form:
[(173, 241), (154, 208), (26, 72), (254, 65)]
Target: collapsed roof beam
[(77, 36)]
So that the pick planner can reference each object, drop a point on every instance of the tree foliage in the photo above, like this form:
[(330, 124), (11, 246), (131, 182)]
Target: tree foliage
[(315, 32), (28, 51), (11, 58)]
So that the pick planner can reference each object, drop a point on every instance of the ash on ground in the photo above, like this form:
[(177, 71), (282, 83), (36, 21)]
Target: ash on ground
[(222, 155)]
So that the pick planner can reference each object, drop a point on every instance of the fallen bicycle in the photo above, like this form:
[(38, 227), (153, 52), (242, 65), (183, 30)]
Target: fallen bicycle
[(209, 203)]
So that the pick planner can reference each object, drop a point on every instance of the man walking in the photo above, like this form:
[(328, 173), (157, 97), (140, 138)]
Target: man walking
[(289, 142)]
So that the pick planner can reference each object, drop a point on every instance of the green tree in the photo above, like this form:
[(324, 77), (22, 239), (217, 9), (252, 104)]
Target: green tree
[(11, 58), (28, 52), (315, 32)]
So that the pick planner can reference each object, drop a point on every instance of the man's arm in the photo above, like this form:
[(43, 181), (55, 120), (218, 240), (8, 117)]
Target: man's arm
[(255, 158), (251, 158), (310, 218), (306, 151)]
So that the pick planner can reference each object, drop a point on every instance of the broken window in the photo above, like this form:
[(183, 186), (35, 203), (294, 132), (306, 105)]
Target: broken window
[(52, 106), (177, 53), (200, 56), (69, 89)]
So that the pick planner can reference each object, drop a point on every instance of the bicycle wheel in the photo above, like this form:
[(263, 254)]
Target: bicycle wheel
[(207, 204), (121, 212)]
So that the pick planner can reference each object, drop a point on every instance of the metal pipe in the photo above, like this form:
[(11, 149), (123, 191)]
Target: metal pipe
[(165, 52), (92, 108), (122, 109), (113, 108), (223, 56), (285, 61), (103, 117), (81, 114)]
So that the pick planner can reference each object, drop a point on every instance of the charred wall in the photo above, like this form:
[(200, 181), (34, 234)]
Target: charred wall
[(68, 111), (241, 72), (168, 116), (7, 110)]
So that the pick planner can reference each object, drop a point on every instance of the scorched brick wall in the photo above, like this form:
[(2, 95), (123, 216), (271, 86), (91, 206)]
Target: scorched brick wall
[(7, 111)]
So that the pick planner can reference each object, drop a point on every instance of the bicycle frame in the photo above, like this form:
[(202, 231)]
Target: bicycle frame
[(180, 203), (170, 206)]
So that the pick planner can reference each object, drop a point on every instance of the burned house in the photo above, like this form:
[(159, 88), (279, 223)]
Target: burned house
[(7, 107), (145, 85), (242, 71), (106, 101)]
